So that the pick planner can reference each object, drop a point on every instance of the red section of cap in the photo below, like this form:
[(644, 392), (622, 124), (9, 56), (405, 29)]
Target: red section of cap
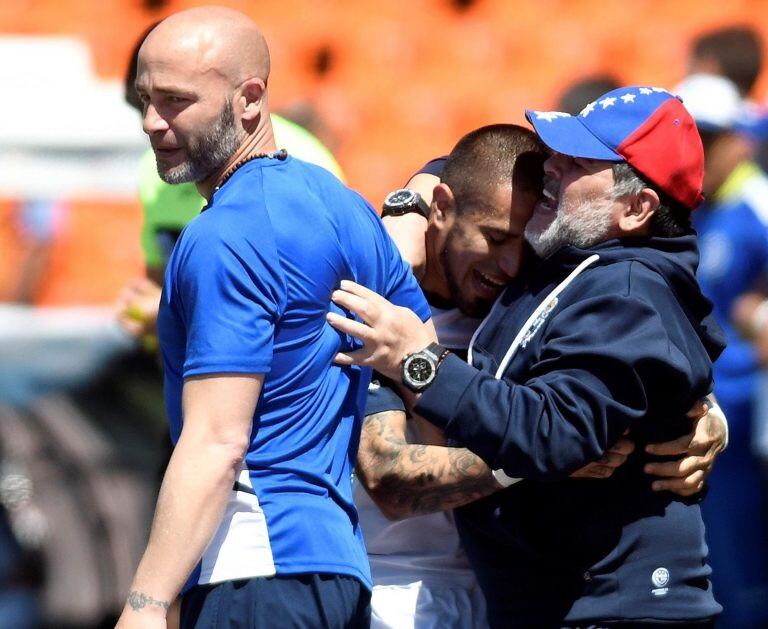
[(667, 149)]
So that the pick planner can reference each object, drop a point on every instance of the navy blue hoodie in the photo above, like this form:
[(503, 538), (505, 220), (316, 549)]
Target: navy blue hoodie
[(627, 344)]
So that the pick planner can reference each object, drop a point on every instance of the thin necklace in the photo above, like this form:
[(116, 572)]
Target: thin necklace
[(280, 154)]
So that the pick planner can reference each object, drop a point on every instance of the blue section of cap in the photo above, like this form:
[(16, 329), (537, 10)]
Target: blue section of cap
[(567, 135), (603, 125), (618, 114)]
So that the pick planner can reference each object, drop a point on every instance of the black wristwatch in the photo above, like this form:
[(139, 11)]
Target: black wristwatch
[(403, 201), (420, 368)]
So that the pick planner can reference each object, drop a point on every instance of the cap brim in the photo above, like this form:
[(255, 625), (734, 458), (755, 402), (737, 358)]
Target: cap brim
[(567, 135)]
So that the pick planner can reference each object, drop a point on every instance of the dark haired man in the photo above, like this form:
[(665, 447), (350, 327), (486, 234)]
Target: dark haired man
[(608, 332), (472, 249), (585, 90)]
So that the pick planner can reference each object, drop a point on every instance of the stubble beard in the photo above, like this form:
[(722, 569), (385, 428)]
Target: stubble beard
[(207, 153), (472, 308), (584, 226)]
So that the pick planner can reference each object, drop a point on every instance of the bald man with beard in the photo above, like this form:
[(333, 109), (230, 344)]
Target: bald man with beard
[(255, 523)]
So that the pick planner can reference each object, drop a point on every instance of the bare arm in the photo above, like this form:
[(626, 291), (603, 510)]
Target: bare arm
[(406, 479), (218, 411), (409, 229)]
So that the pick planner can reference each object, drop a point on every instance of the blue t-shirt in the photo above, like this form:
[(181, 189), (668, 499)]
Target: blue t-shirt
[(246, 291), (733, 238)]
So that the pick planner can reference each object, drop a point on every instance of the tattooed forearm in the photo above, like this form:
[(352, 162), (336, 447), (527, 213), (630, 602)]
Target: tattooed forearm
[(139, 600), (408, 479)]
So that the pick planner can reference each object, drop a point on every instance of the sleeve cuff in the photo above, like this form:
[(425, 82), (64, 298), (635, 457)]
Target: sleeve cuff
[(382, 397), (439, 402)]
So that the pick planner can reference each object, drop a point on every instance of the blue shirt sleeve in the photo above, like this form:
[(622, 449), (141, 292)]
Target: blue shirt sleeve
[(230, 293), (432, 167), (382, 396)]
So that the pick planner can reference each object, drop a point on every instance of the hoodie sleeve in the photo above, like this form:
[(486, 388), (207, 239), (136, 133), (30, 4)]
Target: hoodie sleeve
[(603, 363)]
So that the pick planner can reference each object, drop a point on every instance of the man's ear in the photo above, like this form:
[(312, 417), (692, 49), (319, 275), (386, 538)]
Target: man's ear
[(635, 218), (443, 208), (251, 94)]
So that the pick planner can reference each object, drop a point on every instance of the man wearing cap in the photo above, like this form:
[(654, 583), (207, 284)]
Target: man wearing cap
[(608, 332)]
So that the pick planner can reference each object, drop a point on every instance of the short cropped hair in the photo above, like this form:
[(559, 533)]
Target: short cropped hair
[(490, 156), (671, 218)]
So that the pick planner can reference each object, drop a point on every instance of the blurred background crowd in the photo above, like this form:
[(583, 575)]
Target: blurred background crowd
[(382, 87)]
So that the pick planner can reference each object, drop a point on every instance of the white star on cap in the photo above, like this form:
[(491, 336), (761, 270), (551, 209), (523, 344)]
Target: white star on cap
[(588, 109), (607, 102), (628, 98), (549, 116), (646, 90), (659, 89)]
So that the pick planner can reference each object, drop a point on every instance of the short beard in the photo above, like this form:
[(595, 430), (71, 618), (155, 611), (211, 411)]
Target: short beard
[(585, 226), (475, 309), (207, 153)]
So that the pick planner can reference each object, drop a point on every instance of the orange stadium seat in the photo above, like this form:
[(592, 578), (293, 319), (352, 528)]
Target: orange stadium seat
[(95, 255), (395, 83), (11, 248)]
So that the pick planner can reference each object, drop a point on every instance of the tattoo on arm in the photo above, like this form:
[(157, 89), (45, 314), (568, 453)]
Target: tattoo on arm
[(409, 479), (139, 600)]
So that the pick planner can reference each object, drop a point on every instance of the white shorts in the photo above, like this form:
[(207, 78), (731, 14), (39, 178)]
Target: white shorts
[(415, 606)]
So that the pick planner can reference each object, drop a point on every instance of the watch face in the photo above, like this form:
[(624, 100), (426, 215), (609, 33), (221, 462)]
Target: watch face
[(400, 198), (418, 371)]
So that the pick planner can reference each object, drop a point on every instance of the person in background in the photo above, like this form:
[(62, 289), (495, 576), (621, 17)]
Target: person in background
[(584, 91), (734, 52), (733, 236)]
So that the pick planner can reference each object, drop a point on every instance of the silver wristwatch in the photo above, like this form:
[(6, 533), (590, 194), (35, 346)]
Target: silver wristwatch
[(420, 368)]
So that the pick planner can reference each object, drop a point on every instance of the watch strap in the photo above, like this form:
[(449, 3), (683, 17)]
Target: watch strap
[(420, 207), (438, 352)]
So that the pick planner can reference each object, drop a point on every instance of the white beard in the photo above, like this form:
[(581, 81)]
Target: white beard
[(584, 226)]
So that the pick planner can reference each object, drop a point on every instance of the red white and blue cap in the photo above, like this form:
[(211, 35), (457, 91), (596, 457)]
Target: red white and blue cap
[(647, 127)]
